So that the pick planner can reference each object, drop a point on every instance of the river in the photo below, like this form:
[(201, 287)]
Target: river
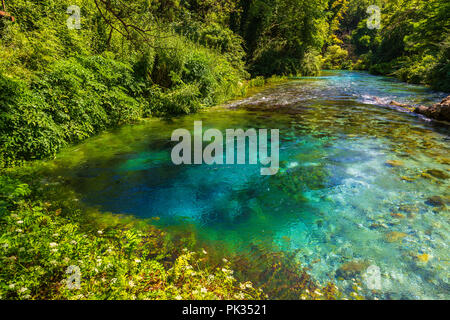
[(363, 189)]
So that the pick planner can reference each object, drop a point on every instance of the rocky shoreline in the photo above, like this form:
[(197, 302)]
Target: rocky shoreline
[(439, 111)]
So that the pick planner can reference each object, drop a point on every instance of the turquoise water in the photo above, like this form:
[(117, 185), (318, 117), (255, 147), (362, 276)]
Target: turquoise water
[(354, 186)]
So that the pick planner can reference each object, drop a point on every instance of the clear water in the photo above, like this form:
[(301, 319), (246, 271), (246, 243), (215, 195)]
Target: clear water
[(335, 199)]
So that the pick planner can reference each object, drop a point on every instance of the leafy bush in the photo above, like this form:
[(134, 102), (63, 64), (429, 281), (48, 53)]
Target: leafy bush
[(27, 131), (311, 64), (77, 98), (184, 100), (440, 74), (418, 70), (335, 58)]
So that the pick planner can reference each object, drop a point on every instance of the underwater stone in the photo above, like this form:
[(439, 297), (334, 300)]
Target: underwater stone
[(395, 163), (435, 201), (394, 236), (352, 269), (444, 161), (438, 174), (408, 179), (439, 111), (423, 257), (408, 208), (398, 215)]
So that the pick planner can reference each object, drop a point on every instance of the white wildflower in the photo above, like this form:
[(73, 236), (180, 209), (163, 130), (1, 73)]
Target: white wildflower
[(239, 296), (23, 289)]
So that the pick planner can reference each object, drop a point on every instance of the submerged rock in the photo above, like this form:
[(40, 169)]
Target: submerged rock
[(408, 179), (395, 163), (394, 236), (408, 208), (403, 105), (352, 269), (424, 258), (439, 111), (435, 201), (398, 215), (438, 174), (444, 160)]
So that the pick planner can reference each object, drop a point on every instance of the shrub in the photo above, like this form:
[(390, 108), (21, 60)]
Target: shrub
[(311, 64), (417, 70), (76, 99), (335, 58)]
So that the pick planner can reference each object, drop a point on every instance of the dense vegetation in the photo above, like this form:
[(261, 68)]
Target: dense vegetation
[(135, 59), (412, 44)]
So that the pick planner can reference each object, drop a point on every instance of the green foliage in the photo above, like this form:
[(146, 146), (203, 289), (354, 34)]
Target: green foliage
[(60, 86), (417, 70), (281, 35), (411, 43), (184, 100), (26, 130), (336, 58), (216, 36), (440, 73), (77, 98)]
